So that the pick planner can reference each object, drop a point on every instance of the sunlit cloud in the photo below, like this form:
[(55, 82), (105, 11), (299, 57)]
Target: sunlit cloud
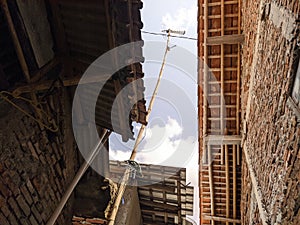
[(163, 141), (182, 19)]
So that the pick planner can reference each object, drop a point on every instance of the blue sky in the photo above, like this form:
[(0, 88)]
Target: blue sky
[(172, 127)]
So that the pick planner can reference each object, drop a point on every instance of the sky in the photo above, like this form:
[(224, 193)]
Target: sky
[(171, 135)]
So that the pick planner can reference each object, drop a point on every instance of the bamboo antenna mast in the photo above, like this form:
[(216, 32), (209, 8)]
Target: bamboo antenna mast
[(125, 178)]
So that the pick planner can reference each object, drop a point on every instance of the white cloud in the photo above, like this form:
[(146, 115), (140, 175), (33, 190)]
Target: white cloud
[(160, 144), (182, 19)]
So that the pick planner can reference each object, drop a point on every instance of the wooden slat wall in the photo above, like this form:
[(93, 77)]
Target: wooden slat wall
[(220, 38)]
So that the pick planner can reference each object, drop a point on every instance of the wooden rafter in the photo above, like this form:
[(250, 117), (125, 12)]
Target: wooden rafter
[(219, 180)]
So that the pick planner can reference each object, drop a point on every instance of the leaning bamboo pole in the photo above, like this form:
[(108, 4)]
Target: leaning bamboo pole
[(125, 178)]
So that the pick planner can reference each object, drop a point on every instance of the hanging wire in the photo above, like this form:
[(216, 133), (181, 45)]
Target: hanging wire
[(165, 35), (37, 106)]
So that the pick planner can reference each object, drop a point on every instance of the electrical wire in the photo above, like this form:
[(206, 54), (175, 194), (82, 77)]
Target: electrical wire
[(162, 34)]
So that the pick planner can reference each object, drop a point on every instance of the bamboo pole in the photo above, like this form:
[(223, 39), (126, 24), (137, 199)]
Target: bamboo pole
[(125, 179), (77, 177)]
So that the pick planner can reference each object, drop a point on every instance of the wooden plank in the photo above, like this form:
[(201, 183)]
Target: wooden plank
[(221, 219), (222, 100), (222, 139), (211, 182), (159, 205), (38, 30), (225, 39), (238, 91), (219, 3), (205, 78), (234, 200), (45, 85), (204, 154), (45, 69), (222, 155), (227, 183), (225, 56), (179, 202), (219, 16), (226, 29)]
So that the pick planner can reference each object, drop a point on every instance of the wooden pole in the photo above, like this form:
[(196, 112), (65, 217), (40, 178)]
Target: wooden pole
[(125, 179), (16, 42), (77, 177)]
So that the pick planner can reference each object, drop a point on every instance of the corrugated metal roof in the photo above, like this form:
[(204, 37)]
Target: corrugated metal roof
[(92, 28)]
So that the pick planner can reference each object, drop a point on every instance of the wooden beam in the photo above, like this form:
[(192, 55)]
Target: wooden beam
[(159, 205), (222, 98), (157, 187), (227, 182), (234, 200), (238, 90), (158, 213), (221, 219), (222, 139), (211, 182), (45, 85), (225, 39), (179, 201), (45, 69)]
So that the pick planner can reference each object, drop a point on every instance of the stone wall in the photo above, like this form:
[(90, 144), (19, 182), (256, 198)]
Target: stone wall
[(36, 165), (271, 125)]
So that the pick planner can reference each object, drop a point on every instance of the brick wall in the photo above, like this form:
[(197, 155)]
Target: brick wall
[(272, 130), (36, 166)]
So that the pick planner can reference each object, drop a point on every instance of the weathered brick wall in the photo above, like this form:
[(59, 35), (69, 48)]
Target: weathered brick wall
[(272, 134), (35, 169), (249, 23)]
